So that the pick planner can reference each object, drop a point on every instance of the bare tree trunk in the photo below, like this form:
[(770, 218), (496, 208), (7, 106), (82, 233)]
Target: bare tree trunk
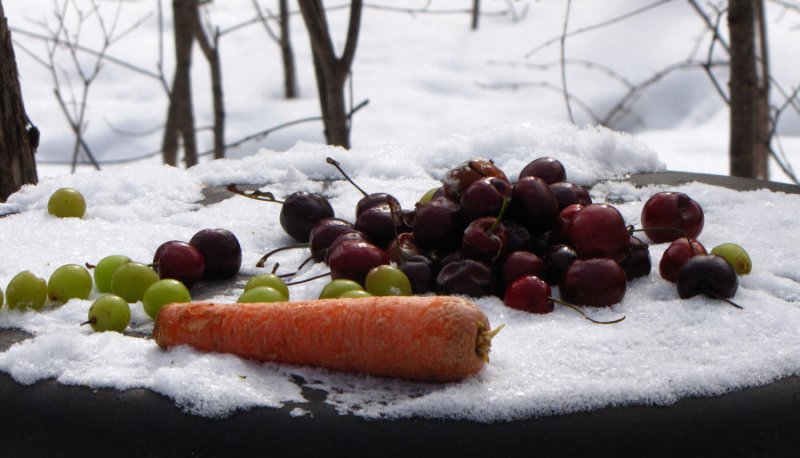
[(17, 138), (289, 72), (749, 118), (332, 72), (476, 13), (211, 52), (180, 117)]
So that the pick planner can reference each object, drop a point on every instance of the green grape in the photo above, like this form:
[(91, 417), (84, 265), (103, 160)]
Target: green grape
[(26, 291), (262, 294), (163, 292), (1, 297), (428, 196), (109, 313), (386, 280), (355, 293), (736, 257), (105, 269), (336, 287), (131, 280), (271, 280), (69, 281), (66, 203)]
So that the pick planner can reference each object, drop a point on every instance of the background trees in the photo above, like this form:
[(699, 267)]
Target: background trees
[(196, 120)]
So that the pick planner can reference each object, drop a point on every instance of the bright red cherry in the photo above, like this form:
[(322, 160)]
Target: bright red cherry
[(529, 294), (179, 261), (671, 210)]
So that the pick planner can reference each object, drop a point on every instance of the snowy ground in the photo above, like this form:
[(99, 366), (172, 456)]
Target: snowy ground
[(426, 77), (667, 348)]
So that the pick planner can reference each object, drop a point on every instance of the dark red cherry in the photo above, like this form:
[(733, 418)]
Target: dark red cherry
[(671, 210), (534, 205), (221, 251), (180, 261), (556, 261), (549, 169), (402, 248), (420, 272), (484, 239), (599, 231), (638, 262), (484, 197), (353, 259), (324, 233), (707, 274), (466, 277), (460, 177), (595, 282), (438, 224), (529, 293), (570, 193), (519, 264), (676, 255), (380, 223), (560, 231), (301, 211)]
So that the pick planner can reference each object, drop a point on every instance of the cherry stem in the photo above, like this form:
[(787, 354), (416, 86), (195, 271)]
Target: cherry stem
[(683, 233), (582, 313), (256, 194), (338, 166), (500, 215), (723, 299), (306, 280), (264, 258)]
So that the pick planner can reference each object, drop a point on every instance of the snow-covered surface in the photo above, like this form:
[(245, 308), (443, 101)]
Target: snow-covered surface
[(666, 348)]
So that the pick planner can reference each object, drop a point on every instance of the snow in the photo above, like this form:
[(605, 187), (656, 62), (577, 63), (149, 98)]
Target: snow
[(431, 106), (666, 348)]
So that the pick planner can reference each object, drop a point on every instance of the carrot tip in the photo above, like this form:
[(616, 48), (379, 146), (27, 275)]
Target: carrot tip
[(484, 343)]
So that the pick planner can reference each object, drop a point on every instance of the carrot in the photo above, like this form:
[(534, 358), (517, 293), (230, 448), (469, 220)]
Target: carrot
[(430, 338)]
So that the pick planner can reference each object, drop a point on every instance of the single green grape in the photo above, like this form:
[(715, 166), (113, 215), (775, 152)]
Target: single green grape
[(69, 281), (736, 256), (67, 203), (163, 292), (271, 280), (336, 287), (26, 291), (428, 196), (105, 269), (387, 280), (109, 313), (262, 294), (355, 293), (131, 280)]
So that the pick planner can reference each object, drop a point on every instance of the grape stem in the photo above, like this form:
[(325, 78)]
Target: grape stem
[(338, 166), (256, 194), (261, 262), (582, 313)]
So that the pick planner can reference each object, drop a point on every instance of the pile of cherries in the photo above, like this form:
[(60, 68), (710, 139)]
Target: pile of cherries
[(480, 234)]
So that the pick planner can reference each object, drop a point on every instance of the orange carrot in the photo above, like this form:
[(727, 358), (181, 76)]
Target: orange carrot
[(431, 338)]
